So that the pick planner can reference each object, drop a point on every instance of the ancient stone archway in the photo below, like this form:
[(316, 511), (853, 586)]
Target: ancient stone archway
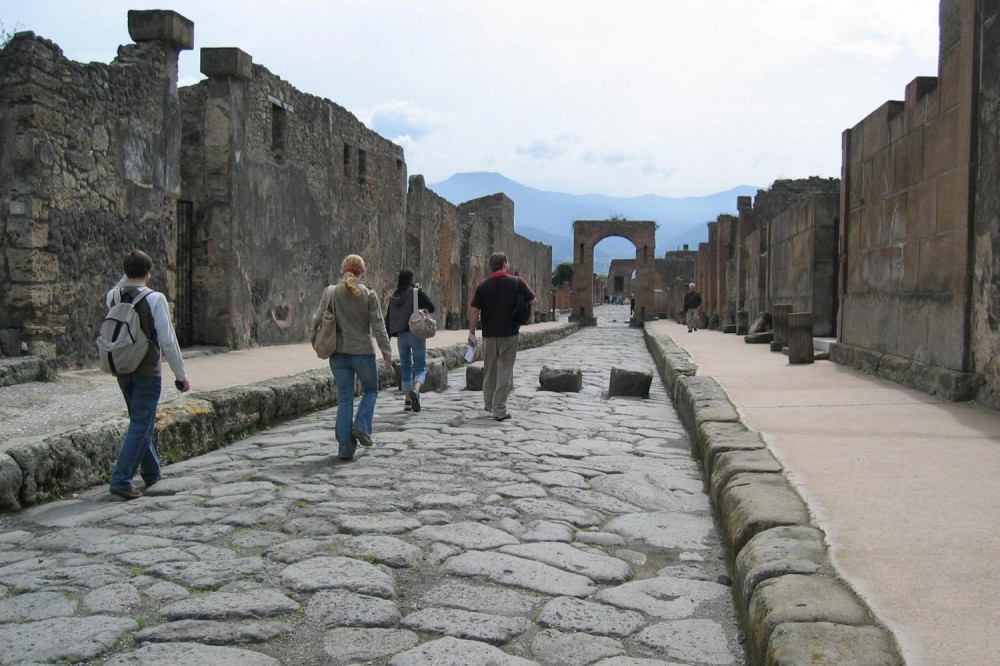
[(587, 234)]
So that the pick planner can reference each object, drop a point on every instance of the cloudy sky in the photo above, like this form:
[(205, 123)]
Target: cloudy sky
[(631, 97)]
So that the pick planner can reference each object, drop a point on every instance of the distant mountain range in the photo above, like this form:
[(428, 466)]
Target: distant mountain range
[(548, 217)]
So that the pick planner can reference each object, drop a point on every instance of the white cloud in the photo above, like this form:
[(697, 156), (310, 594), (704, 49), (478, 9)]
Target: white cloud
[(403, 118)]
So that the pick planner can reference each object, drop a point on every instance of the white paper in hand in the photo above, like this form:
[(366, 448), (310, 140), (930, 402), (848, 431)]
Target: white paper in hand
[(470, 353)]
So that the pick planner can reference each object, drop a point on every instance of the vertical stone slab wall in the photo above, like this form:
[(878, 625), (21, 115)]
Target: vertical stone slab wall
[(986, 273), (287, 185), (803, 260), (88, 170), (756, 261), (906, 211)]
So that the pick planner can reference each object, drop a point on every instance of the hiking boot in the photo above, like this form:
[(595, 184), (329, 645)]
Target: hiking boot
[(364, 439), (415, 400), (127, 492)]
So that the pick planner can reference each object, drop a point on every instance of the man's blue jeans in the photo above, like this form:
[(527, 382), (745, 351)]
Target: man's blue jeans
[(138, 453), (412, 359), (345, 367)]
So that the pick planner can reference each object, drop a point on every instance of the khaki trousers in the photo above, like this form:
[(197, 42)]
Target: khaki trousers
[(498, 373)]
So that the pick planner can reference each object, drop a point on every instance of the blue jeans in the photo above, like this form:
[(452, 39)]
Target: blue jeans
[(412, 359), (138, 453), (345, 367)]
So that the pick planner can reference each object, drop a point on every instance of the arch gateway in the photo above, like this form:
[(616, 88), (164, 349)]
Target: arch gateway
[(587, 234)]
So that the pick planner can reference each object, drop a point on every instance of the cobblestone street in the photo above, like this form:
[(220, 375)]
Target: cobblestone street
[(575, 533)]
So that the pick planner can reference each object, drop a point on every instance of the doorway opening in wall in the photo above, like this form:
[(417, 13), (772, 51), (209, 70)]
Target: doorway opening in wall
[(185, 269)]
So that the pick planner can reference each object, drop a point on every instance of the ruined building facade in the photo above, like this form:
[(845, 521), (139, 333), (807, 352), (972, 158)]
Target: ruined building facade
[(900, 258), (246, 192)]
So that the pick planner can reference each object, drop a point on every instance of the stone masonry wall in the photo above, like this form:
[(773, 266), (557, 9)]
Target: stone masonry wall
[(905, 211), (985, 328), (284, 185), (88, 171), (434, 251)]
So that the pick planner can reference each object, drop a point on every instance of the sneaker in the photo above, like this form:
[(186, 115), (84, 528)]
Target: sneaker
[(128, 492), (407, 406), (364, 439), (501, 418), (415, 400), (345, 458)]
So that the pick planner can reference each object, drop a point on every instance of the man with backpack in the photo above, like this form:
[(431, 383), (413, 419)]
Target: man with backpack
[(133, 335), (500, 301)]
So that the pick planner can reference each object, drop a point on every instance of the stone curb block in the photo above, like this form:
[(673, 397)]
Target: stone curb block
[(727, 465), (752, 503), (701, 399), (789, 601), (775, 552), (797, 598), (671, 360), (796, 643), (713, 438), (188, 426)]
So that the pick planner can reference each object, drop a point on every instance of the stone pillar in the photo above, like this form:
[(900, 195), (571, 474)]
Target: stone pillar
[(800, 337), (779, 322)]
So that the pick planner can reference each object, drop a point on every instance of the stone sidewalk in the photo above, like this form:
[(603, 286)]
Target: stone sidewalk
[(902, 484), (578, 532)]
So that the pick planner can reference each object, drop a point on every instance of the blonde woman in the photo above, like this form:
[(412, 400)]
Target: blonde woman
[(359, 326)]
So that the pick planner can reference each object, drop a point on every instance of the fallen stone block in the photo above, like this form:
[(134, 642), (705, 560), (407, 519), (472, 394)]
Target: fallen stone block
[(758, 338), (627, 382), (752, 503), (474, 376), (561, 380), (795, 549), (798, 643), (437, 376), (23, 369), (796, 598)]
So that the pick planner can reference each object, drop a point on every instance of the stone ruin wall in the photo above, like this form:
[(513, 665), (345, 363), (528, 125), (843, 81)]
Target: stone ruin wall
[(796, 262), (88, 171), (907, 211), (674, 272), (98, 166), (985, 328), (283, 185), (622, 268)]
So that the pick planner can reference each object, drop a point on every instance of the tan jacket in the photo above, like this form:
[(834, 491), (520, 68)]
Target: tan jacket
[(359, 322)]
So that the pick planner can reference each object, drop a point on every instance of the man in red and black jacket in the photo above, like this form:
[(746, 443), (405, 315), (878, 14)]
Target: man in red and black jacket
[(493, 303)]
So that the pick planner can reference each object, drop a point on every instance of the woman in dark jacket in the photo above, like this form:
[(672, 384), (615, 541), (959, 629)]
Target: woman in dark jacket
[(412, 350)]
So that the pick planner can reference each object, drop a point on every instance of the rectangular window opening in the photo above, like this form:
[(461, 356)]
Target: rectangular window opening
[(279, 131), (347, 160)]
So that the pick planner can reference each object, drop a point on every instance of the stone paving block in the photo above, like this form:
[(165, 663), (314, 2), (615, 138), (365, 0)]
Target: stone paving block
[(796, 643), (214, 632), (69, 639), (798, 598), (752, 503), (485, 627), (357, 645), (191, 654), (562, 380), (629, 382), (474, 376), (776, 552), (729, 464), (450, 650), (571, 648)]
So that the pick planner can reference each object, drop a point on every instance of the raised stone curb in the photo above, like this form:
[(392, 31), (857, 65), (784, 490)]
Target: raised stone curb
[(792, 607), (935, 380), (194, 424)]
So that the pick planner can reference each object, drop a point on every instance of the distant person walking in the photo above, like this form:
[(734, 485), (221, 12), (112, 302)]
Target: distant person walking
[(412, 350), (359, 326), (692, 301), (631, 305), (493, 303), (141, 388)]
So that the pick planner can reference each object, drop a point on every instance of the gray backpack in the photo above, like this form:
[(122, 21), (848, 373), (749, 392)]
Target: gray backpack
[(121, 342)]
